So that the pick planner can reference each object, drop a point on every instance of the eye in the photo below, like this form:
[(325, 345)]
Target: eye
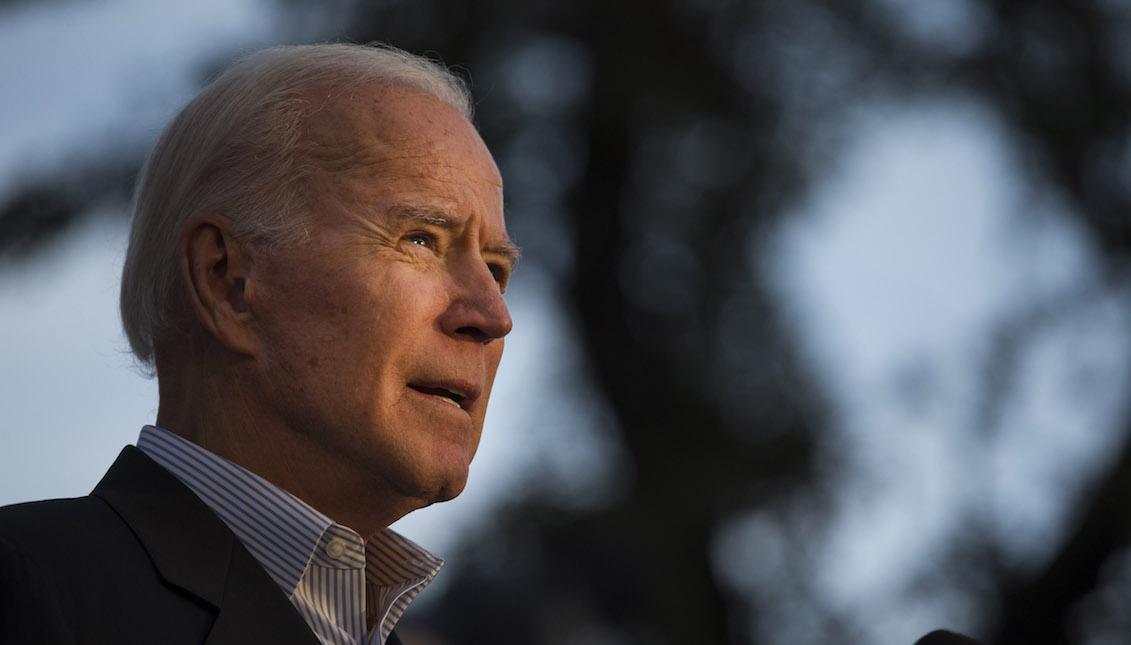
[(421, 238), (501, 275)]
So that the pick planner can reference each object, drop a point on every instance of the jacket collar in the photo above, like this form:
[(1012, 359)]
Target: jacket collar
[(192, 549)]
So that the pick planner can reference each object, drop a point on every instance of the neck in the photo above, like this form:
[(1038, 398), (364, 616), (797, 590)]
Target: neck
[(232, 422)]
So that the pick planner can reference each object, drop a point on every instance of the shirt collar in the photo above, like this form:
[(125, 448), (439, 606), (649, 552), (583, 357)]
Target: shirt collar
[(279, 530)]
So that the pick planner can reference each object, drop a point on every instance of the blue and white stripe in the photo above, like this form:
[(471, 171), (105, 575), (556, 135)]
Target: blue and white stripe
[(338, 584)]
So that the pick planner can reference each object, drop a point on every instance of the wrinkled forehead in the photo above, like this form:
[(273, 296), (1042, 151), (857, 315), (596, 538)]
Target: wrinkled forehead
[(369, 125), (374, 148)]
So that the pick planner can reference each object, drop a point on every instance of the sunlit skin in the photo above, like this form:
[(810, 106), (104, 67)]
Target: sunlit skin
[(353, 369)]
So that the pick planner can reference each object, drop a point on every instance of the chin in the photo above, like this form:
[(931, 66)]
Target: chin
[(445, 477), (451, 490), (441, 488)]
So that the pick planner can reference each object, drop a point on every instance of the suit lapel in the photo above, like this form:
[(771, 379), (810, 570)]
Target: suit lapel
[(193, 549), (255, 610)]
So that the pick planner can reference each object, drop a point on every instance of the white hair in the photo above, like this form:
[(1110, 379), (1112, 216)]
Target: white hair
[(237, 149)]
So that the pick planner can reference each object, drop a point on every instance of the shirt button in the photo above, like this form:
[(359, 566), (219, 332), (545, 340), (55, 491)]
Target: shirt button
[(335, 548)]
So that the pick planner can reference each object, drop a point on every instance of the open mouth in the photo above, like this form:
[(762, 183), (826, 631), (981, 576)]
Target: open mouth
[(442, 394)]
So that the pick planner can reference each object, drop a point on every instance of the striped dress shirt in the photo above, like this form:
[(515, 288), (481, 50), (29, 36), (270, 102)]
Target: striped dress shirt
[(338, 583)]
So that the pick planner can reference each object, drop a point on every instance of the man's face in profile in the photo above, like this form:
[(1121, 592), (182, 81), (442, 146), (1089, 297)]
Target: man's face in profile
[(383, 331)]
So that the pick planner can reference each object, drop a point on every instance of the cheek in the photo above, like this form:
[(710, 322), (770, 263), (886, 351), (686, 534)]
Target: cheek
[(334, 306), (310, 325), (491, 364), (494, 357)]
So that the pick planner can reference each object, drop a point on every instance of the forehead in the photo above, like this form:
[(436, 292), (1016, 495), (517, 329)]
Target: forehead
[(372, 148), (369, 126)]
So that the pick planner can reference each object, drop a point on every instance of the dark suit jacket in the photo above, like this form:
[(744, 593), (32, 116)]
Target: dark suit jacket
[(140, 560), (943, 637)]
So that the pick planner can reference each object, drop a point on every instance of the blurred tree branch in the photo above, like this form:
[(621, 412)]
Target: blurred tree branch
[(42, 210)]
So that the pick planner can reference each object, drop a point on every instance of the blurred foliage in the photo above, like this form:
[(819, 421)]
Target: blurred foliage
[(647, 148)]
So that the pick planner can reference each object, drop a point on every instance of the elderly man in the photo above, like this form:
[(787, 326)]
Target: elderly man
[(315, 274)]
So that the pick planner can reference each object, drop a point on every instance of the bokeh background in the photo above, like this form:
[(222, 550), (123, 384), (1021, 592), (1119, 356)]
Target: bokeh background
[(822, 334)]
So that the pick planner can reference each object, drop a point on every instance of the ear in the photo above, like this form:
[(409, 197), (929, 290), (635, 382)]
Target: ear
[(216, 266)]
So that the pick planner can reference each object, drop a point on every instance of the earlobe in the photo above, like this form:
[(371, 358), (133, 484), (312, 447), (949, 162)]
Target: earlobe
[(216, 267)]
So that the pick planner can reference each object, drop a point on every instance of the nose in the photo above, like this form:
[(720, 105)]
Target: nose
[(477, 311)]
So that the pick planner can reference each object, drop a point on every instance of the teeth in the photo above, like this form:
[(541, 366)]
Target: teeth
[(445, 399)]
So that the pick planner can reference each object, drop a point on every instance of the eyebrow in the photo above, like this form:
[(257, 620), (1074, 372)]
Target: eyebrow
[(443, 218)]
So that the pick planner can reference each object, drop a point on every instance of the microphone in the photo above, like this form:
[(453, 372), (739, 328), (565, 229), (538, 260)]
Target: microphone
[(943, 637)]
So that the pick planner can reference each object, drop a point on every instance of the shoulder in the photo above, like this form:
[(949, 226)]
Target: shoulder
[(36, 516), (78, 548), (28, 613), (75, 571), (54, 528), (42, 555), (63, 540), (944, 637)]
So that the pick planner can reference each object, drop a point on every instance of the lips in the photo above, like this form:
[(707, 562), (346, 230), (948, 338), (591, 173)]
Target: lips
[(454, 394)]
